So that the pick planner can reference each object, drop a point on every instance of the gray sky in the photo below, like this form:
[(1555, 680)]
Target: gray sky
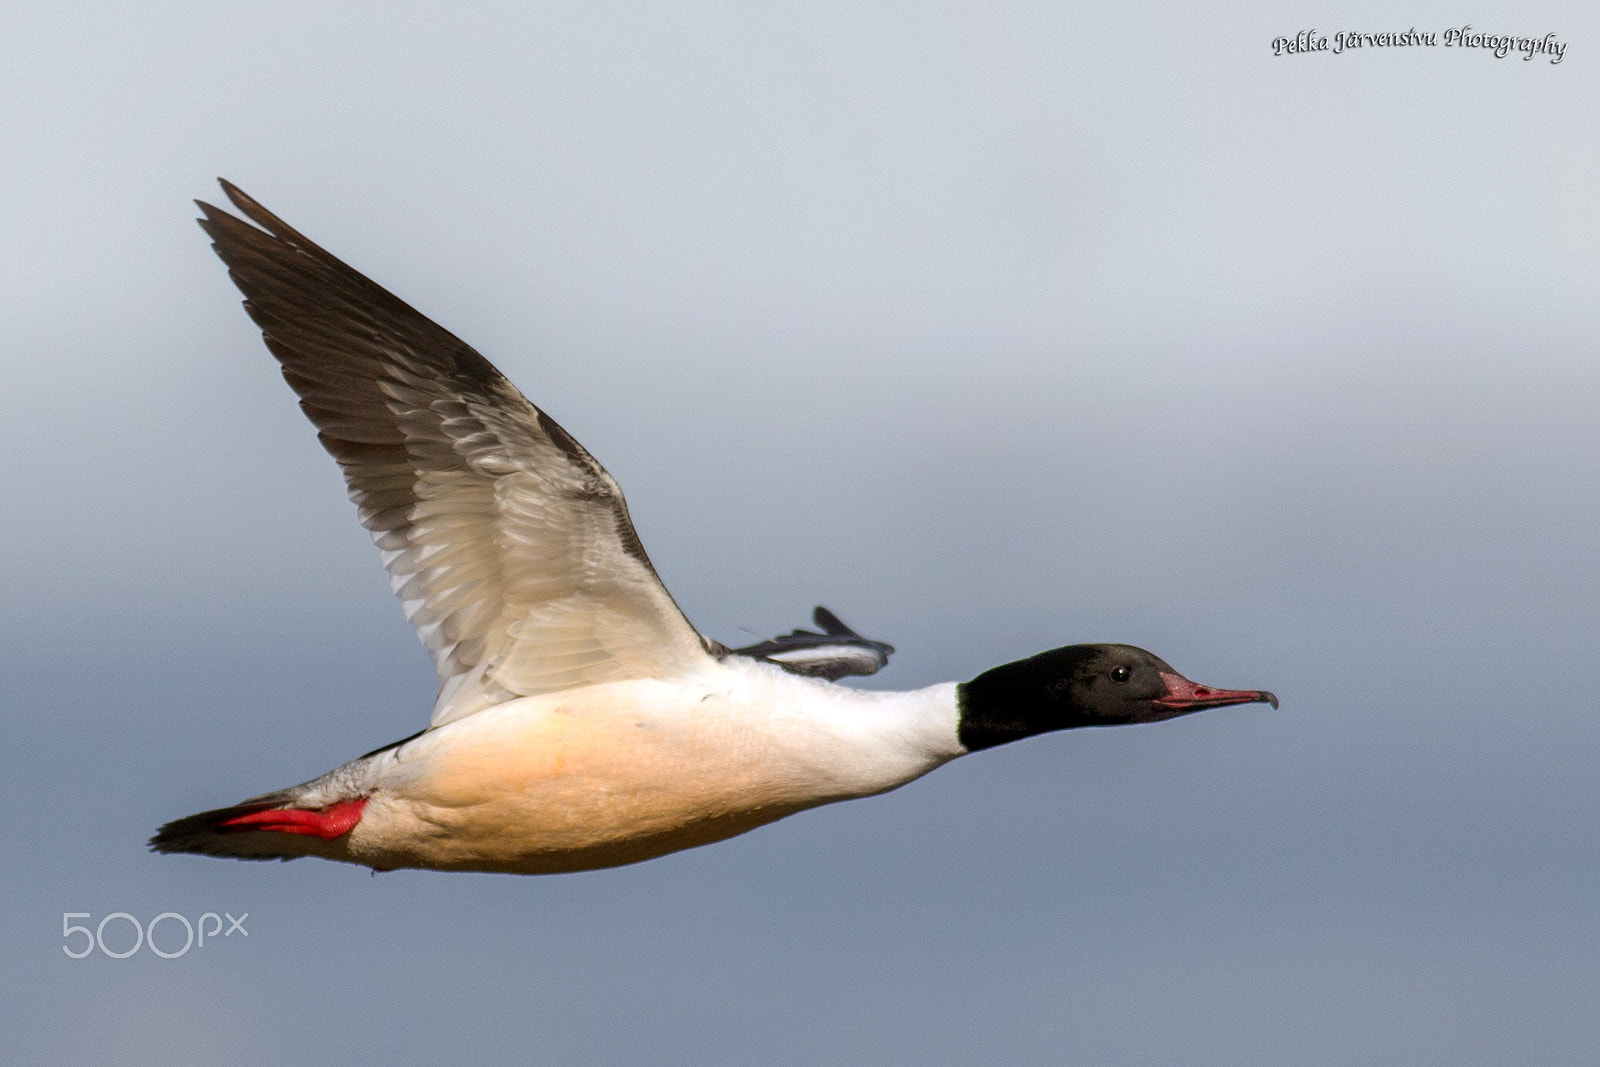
[(992, 327)]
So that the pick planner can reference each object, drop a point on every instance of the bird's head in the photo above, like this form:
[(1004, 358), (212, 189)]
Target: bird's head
[(1083, 685)]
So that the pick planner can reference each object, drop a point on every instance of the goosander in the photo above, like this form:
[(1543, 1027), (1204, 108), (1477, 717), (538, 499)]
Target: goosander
[(581, 721)]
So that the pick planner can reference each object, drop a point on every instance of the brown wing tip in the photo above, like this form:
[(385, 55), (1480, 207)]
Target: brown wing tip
[(252, 210)]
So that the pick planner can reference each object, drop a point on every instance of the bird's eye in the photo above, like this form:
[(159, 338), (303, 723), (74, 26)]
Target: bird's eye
[(1120, 674)]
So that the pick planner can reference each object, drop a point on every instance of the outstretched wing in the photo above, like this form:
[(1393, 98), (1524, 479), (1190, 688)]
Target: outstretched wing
[(836, 652), (509, 546)]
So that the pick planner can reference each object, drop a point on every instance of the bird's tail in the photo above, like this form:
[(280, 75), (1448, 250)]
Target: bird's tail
[(268, 827)]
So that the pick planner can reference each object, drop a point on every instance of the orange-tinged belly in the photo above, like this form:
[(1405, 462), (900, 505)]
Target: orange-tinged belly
[(559, 789)]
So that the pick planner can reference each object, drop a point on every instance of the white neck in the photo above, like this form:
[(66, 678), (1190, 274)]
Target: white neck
[(855, 741)]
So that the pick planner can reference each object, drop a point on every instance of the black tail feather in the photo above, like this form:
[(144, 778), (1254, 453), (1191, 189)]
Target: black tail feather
[(203, 834)]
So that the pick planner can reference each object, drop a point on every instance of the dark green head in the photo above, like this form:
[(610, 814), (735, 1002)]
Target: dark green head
[(1082, 685)]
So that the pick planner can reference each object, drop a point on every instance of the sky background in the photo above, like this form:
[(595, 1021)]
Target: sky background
[(994, 328)]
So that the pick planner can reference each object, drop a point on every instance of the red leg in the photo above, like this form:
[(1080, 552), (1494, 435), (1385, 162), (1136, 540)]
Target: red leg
[(327, 823)]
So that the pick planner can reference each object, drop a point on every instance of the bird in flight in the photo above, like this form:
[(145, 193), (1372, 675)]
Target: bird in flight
[(581, 721)]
